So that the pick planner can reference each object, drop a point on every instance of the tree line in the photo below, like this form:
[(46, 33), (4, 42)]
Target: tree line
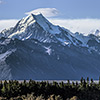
[(85, 89)]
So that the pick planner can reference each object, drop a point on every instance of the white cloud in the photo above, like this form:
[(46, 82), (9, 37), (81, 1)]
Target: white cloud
[(78, 25), (47, 12), (7, 23), (74, 25)]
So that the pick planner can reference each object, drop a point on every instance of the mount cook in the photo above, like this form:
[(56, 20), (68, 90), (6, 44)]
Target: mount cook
[(36, 49)]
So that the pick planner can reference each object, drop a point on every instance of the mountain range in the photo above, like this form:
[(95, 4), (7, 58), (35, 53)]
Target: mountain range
[(36, 49)]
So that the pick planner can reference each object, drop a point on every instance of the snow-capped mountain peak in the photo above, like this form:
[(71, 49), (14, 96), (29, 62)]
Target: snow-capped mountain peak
[(39, 28), (45, 24), (45, 51), (26, 27)]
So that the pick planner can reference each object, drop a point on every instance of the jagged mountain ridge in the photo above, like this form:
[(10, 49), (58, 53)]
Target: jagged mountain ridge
[(38, 27), (37, 49)]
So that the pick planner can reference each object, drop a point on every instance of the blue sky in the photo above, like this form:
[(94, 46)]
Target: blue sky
[(82, 12), (15, 9)]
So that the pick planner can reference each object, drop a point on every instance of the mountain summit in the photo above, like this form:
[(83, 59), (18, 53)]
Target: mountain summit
[(30, 26), (36, 49)]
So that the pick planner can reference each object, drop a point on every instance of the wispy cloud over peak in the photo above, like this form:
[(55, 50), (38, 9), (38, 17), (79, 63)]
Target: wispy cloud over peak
[(47, 12)]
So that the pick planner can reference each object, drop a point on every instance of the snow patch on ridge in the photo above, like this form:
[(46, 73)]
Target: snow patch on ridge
[(48, 50), (27, 37), (6, 54), (5, 70), (64, 42)]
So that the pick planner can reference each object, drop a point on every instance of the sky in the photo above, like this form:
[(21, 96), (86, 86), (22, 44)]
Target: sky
[(76, 15)]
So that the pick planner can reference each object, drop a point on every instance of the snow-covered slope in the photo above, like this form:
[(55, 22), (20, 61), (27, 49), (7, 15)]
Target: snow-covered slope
[(32, 27), (38, 27), (37, 49)]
